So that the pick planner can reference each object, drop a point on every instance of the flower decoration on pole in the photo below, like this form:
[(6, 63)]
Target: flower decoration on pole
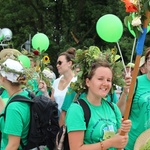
[(143, 12), (137, 16), (42, 60)]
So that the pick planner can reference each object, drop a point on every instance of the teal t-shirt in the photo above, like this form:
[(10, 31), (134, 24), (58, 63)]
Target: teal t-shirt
[(112, 97), (69, 98), (16, 122), (140, 111), (102, 118)]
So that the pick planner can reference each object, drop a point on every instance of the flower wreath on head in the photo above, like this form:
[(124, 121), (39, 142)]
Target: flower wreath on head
[(27, 72), (85, 58), (42, 60)]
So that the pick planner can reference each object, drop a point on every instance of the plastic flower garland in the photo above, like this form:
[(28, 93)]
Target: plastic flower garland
[(137, 10), (85, 58)]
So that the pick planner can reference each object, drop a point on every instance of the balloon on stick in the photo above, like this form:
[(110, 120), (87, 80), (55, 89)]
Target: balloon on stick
[(40, 42), (110, 28), (24, 60)]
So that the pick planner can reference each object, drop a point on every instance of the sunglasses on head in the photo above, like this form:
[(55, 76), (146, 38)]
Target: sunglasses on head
[(59, 62)]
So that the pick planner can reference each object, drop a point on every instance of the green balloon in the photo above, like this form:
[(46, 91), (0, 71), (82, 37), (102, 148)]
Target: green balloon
[(24, 60), (40, 42), (1, 35), (110, 28)]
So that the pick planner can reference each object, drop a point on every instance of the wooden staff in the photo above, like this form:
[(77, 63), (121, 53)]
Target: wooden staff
[(139, 50)]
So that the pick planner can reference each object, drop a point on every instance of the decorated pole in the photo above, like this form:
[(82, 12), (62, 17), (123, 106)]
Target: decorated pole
[(139, 51)]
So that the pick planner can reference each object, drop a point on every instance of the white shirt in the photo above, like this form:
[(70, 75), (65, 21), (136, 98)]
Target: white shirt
[(59, 95)]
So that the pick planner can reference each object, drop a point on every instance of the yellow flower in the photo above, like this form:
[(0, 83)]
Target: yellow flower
[(46, 59)]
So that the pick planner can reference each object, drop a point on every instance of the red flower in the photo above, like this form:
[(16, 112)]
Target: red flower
[(130, 7), (36, 52)]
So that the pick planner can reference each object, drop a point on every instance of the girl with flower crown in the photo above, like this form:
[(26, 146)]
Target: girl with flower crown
[(105, 124)]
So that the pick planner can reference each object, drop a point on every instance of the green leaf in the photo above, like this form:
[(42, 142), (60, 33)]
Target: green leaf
[(126, 19)]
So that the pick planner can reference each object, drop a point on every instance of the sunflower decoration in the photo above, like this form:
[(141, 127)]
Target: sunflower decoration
[(85, 59), (42, 60)]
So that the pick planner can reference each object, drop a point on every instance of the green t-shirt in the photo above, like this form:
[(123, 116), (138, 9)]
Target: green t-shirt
[(140, 110), (16, 122), (102, 118)]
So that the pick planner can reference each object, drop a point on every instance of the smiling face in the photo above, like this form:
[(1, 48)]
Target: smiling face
[(100, 83)]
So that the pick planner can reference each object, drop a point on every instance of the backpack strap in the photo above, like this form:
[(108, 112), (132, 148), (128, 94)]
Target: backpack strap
[(17, 98), (86, 110), (1, 90), (111, 105)]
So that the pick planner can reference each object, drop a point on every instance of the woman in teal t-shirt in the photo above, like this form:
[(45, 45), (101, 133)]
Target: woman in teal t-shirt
[(104, 125), (140, 114)]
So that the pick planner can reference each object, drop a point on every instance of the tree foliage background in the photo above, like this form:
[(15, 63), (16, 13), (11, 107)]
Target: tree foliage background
[(67, 23)]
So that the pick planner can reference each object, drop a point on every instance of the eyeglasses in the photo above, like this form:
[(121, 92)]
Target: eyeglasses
[(148, 59), (59, 63)]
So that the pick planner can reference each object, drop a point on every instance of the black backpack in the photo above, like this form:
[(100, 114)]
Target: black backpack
[(44, 124), (62, 142)]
